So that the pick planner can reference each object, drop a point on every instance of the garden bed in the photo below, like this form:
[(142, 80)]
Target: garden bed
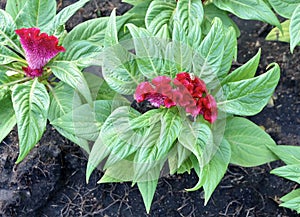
[(51, 180)]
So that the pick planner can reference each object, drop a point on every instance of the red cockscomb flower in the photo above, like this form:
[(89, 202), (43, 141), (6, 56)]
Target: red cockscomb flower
[(39, 49), (187, 91)]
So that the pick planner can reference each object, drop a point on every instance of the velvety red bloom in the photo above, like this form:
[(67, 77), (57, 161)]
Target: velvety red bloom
[(188, 91), (39, 49)]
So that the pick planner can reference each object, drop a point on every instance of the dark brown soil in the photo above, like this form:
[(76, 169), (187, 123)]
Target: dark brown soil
[(51, 181)]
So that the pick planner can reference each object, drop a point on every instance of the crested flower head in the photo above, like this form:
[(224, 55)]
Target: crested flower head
[(39, 49), (186, 91)]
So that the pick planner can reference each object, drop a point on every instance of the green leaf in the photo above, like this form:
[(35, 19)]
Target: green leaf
[(210, 12), (63, 99), (248, 97), (212, 173), (120, 70), (147, 188), (111, 33), (293, 194), (64, 15), (7, 55), (276, 35), (230, 52), (158, 14), (208, 62), (288, 154), (245, 71), (295, 28), (7, 116), (249, 143), (290, 172), (189, 16), (149, 51), (133, 2), (81, 122), (248, 9), (284, 8), (13, 7), (7, 28), (160, 139), (70, 74), (31, 103), (293, 203), (36, 13)]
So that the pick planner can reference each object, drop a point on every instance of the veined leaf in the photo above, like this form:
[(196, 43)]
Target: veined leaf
[(7, 116), (189, 15), (13, 7), (158, 14), (276, 35), (245, 71), (111, 33), (230, 52), (70, 74), (249, 143), (284, 8), (7, 55), (290, 172), (133, 2), (149, 51), (248, 97), (288, 154), (120, 70), (63, 16), (63, 99), (248, 9), (208, 61), (295, 28), (31, 103), (36, 13), (292, 200)]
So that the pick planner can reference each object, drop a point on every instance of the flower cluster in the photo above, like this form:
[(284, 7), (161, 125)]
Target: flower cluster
[(185, 90), (39, 49)]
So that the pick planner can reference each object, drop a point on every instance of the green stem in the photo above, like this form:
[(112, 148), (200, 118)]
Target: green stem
[(13, 69)]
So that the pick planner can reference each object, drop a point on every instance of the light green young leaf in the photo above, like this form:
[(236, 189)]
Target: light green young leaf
[(63, 99), (36, 13), (245, 71), (276, 35), (120, 70), (13, 7), (212, 173), (81, 122), (7, 116), (210, 12), (189, 16), (295, 28), (284, 8), (70, 74), (294, 201), (293, 194), (288, 154), (208, 61), (248, 97), (249, 143), (230, 52), (248, 9), (31, 103), (111, 33), (149, 51), (63, 16), (147, 188), (7, 55), (290, 172), (159, 13), (158, 141)]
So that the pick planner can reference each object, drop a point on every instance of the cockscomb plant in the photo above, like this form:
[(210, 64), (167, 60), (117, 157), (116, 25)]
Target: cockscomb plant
[(41, 72), (187, 109)]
